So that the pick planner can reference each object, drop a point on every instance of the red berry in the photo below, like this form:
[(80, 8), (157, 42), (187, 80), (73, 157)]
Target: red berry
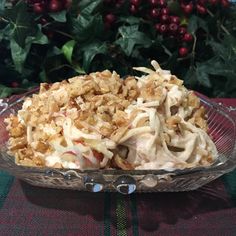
[(182, 30), (162, 3), (175, 19), (155, 13), (33, 1), (163, 29), (202, 2), (225, 3), (213, 2), (55, 6), (67, 4), (135, 2), (164, 18), (201, 10), (14, 84), (38, 8), (173, 28), (107, 25), (133, 9), (183, 52), (187, 37), (48, 33), (165, 11), (107, 1), (43, 21), (110, 18), (154, 3), (158, 26), (118, 5), (187, 9)]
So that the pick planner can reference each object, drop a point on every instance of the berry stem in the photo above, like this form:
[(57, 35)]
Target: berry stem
[(4, 19), (193, 49), (60, 67), (221, 26), (167, 51), (63, 33)]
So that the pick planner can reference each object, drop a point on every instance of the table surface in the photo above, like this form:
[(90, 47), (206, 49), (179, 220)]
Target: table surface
[(27, 210)]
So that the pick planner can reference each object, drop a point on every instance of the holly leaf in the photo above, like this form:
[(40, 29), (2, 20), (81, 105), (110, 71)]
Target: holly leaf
[(67, 50), (59, 16), (21, 23), (130, 37), (90, 51)]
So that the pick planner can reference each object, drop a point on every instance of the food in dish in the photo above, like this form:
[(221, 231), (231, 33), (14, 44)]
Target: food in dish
[(100, 121)]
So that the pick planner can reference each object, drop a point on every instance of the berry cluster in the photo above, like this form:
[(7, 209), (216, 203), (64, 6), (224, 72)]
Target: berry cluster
[(169, 25), (200, 6), (109, 17), (165, 22), (43, 6)]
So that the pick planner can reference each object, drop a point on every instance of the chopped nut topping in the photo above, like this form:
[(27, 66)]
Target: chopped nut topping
[(80, 123)]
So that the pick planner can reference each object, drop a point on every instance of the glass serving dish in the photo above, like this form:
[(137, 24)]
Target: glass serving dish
[(222, 129)]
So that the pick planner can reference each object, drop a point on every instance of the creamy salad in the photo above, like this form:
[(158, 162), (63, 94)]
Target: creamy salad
[(102, 121)]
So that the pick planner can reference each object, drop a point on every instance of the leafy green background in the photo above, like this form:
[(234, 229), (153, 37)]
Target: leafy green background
[(80, 43)]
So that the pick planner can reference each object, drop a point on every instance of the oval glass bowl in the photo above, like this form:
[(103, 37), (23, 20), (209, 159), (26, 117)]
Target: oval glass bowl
[(222, 129)]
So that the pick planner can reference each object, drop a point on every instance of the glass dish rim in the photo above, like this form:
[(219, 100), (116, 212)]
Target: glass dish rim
[(223, 167)]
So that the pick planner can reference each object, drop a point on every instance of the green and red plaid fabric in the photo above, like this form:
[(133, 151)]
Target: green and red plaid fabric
[(27, 210)]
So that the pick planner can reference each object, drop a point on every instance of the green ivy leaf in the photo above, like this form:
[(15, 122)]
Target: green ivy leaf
[(190, 78), (230, 87), (131, 36), (19, 53), (175, 7), (132, 20), (195, 23), (2, 6), (225, 50), (59, 16), (43, 76), (87, 8), (54, 51), (67, 50), (78, 69), (5, 33), (90, 51), (38, 38), (192, 24), (87, 29), (5, 91), (21, 22), (202, 76), (89, 24)]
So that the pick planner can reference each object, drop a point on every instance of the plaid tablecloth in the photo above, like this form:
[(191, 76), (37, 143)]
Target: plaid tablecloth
[(27, 210)]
